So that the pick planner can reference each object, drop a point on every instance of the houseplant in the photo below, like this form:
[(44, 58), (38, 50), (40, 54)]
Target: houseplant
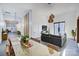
[(25, 38), (73, 33)]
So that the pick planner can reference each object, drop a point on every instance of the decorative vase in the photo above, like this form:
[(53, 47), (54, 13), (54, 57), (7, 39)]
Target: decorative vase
[(27, 41)]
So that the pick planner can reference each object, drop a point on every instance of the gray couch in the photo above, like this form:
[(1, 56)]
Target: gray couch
[(53, 39)]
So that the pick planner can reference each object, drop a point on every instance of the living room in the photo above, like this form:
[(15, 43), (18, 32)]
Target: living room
[(38, 15)]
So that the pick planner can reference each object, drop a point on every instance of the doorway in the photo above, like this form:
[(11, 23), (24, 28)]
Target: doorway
[(78, 30)]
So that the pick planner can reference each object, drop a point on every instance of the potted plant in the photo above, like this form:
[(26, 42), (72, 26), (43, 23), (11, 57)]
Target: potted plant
[(73, 33), (25, 39)]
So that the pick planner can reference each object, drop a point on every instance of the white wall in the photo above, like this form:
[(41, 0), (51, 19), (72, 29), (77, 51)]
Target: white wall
[(41, 12), (38, 18), (62, 12), (67, 13)]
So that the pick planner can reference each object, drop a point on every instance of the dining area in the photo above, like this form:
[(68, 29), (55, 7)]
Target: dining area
[(36, 49), (14, 47)]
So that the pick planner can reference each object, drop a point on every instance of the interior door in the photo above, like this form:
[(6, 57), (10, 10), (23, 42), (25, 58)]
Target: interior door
[(78, 30)]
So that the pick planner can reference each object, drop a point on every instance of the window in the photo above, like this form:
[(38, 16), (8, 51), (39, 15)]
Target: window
[(59, 28)]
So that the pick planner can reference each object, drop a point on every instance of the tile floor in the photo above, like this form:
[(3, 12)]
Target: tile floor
[(71, 48), (2, 48)]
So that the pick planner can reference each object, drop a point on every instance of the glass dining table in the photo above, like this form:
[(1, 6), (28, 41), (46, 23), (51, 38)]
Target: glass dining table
[(36, 49)]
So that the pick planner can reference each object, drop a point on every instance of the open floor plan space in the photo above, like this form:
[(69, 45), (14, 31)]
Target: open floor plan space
[(39, 29)]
